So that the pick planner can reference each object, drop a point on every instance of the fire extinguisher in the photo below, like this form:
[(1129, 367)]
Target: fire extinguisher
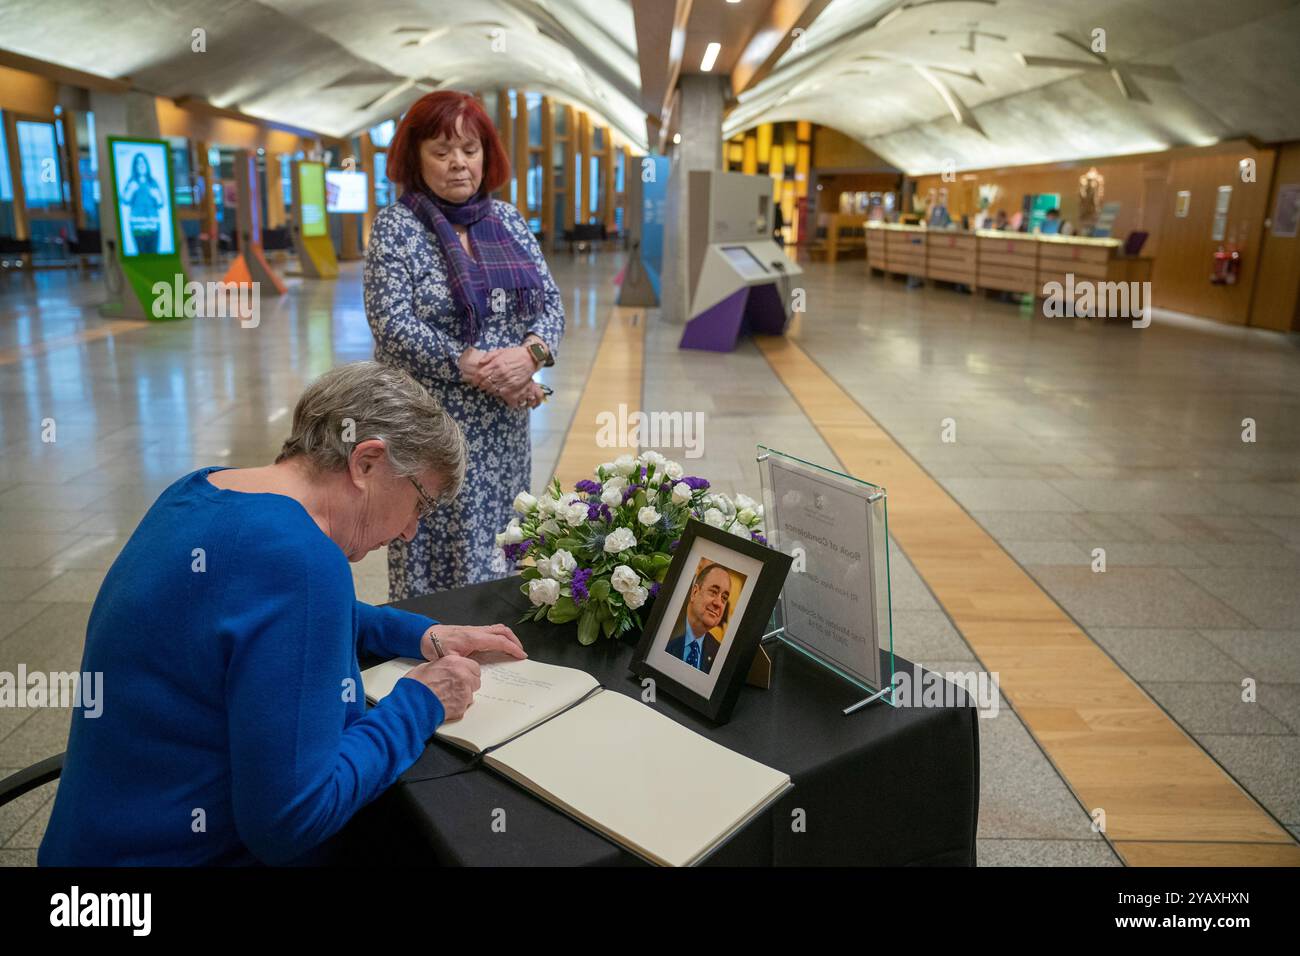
[(1227, 265)]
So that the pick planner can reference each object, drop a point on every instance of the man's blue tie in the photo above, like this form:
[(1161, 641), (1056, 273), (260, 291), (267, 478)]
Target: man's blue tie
[(693, 655)]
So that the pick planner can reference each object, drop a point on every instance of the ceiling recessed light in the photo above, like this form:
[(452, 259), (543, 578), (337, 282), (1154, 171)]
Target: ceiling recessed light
[(677, 138), (710, 56)]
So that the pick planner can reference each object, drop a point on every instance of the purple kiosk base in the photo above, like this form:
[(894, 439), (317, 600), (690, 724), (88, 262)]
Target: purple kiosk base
[(718, 328)]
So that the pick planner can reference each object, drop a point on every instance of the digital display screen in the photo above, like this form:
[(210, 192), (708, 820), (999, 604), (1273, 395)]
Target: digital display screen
[(144, 198), (345, 191), (744, 261), (311, 198)]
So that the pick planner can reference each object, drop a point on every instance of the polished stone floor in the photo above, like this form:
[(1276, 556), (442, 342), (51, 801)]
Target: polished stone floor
[(1069, 436)]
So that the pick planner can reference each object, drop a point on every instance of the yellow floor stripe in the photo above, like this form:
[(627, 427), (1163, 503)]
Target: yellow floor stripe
[(615, 379), (1115, 747), (108, 329)]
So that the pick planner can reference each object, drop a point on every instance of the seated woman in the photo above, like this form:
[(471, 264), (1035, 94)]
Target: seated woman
[(234, 727)]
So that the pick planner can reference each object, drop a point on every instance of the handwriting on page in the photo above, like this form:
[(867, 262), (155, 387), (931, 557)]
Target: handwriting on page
[(499, 680)]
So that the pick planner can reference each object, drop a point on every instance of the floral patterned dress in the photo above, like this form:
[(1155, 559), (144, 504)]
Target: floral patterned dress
[(415, 322)]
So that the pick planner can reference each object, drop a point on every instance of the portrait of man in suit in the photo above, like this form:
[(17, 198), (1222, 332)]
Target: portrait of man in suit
[(707, 606)]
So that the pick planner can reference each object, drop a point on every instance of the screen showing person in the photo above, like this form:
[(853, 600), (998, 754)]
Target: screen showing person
[(702, 624), (144, 203)]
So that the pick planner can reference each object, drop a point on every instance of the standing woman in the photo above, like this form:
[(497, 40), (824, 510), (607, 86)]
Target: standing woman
[(457, 294)]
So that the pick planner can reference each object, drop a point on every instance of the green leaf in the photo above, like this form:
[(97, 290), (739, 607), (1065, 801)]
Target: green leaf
[(529, 574), (562, 611), (568, 544), (660, 560), (599, 590), (588, 626), (639, 500), (607, 625)]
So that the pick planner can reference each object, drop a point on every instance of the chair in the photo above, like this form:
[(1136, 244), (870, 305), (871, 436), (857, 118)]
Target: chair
[(37, 775)]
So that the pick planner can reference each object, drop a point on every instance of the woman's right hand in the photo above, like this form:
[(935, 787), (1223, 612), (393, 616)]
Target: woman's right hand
[(453, 678)]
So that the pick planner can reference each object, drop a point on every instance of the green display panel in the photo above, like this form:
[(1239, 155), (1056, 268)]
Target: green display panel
[(311, 196), (146, 223)]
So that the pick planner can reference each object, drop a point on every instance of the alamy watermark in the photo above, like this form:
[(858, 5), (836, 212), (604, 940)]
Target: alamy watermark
[(53, 689), (922, 688), (209, 300), (1085, 298), (624, 429)]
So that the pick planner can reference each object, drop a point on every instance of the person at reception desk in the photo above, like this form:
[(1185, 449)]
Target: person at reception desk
[(458, 294), (707, 607), (231, 727), (1052, 223)]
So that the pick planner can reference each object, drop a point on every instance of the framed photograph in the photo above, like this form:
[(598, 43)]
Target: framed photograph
[(709, 617)]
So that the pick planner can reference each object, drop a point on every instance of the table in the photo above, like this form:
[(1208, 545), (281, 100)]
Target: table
[(884, 786)]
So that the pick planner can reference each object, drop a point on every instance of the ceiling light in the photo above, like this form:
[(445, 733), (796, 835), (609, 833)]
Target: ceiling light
[(677, 138), (710, 56)]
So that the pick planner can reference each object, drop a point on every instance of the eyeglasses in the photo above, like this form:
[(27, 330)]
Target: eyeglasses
[(427, 500)]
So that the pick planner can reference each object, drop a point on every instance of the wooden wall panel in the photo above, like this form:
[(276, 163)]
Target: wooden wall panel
[(1276, 302)]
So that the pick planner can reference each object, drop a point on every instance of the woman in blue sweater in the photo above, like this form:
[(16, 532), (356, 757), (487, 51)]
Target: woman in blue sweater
[(234, 727)]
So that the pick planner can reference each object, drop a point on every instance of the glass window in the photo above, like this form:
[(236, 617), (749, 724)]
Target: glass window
[(181, 179), (535, 173), (88, 167), (594, 183), (576, 199), (38, 154), (286, 180), (6, 184), (385, 193), (618, 171), (598, 137), (534, 101), (382, 134)]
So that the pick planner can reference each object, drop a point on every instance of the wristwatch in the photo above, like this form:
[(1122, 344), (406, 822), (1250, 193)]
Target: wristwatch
[(541, 355)]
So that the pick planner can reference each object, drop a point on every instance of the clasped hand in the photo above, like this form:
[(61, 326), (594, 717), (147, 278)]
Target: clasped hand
[(455, 676), (505, 373)]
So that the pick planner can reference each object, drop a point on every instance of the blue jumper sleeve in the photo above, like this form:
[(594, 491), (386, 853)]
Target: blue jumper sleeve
[(390, 632)]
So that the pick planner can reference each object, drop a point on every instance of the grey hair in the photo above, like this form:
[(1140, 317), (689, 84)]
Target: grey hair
[(364, 400)]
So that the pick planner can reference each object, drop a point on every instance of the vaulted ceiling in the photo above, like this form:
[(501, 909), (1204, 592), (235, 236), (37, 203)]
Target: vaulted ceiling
[(926, 84), (929, 84), (337, 66)]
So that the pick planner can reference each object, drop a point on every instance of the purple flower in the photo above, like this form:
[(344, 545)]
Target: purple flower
[(758, 537), (654, 589), (696, 484), (516, 551), (593, 510), (589, 486), (643, 472), (606, 513), (629, 491), (578, 586), (673, 546)]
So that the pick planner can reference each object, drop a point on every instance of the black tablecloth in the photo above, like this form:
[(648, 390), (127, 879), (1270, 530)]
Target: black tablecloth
[(882, 786)]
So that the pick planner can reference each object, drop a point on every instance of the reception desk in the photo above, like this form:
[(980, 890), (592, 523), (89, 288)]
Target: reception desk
[(1001, 261)]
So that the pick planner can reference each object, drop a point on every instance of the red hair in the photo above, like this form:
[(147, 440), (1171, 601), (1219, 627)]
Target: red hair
[(433, 115)]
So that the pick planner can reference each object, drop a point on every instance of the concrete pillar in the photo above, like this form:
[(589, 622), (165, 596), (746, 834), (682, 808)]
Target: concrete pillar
[(699, 109)]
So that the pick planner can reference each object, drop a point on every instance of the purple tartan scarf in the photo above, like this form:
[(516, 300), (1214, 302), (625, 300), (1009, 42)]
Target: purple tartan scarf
[(502, 263)]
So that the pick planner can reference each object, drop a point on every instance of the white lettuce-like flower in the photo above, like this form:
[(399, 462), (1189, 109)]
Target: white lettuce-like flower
[(647, 515), (576, 513), (746, 516), (635, 597), (550, 527), (625, 464), (653, 458), (681, 493), (715, 518), (619, 540), (738, 529), (524, 502), (744, 501), (512, 535), (674, 470), (546, 505), (612, 497), (624, 579), (723, 504), (562, 565), (566, 499), (543, 591)]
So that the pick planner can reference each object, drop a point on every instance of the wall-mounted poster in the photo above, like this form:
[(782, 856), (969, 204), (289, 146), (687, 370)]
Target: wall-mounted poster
[(1221, 213), (311, 185), (142, 183), (1287, 215), (1182, 203)]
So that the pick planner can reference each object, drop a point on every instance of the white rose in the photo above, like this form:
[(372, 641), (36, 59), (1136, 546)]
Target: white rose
[(739, 530), (513, 533), (576, 514), (618, 482), (758, 512), (647, 515), (715, 518), (566, 499), (544, 567), (612, 497), (549, 527), (673, 470), (543, 591), (681, 493), (546, 505), (723, 504), (635, 597), (653, 458), (625, 464), (624, 579), (746, 516), (524, 502), (620, 539), (562, 565), (744, 501)]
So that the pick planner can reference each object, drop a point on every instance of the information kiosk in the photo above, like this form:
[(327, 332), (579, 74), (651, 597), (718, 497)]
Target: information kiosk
[(739, 277)]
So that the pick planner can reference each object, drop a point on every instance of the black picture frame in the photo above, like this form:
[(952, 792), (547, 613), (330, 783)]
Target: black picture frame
[(748, 630)]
